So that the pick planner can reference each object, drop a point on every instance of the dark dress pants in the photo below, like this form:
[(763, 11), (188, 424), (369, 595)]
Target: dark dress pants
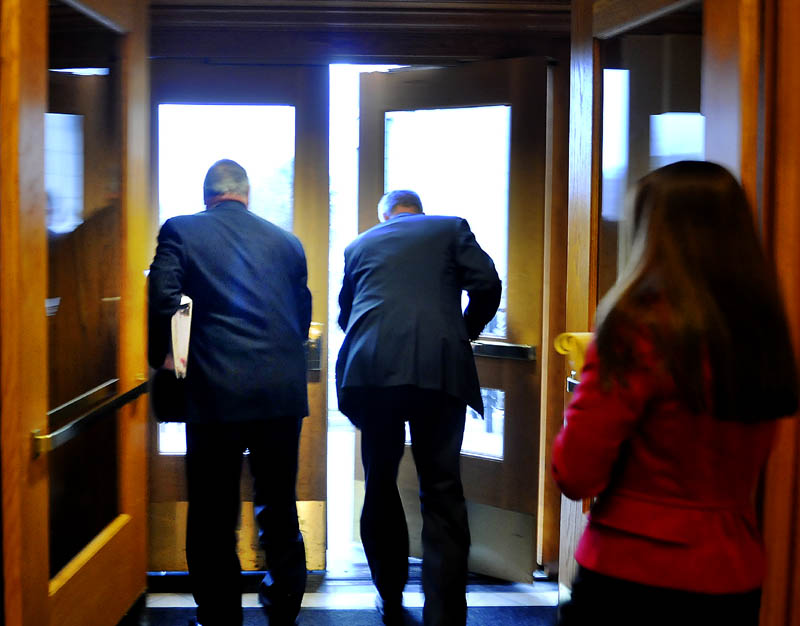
[(437, 428), (599, 599), (214, 455)]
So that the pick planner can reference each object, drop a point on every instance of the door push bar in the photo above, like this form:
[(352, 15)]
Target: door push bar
[(42, 444), (502, 350)]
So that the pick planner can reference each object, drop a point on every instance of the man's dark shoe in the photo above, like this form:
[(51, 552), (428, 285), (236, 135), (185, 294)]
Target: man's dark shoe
[(392, 613)]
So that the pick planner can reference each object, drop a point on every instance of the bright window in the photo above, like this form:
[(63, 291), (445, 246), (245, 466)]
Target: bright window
[(191, 137), (457, 160)]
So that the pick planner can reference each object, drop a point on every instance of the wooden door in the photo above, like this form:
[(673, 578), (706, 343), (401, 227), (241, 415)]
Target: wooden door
[(696, 58), (73, 317), (293, 194), (477, 141)]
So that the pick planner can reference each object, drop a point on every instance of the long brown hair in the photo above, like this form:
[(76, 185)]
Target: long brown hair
[(699, 284)]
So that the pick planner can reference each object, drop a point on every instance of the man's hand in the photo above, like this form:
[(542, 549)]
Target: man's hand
[(169, 363)]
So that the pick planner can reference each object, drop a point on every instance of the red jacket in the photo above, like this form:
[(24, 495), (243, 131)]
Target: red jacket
[(676, 490)]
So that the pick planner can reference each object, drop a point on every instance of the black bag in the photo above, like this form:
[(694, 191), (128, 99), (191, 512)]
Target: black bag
[(168, 396)]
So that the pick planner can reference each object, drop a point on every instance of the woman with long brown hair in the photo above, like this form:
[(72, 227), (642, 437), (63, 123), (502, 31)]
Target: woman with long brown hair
[(673, 420)]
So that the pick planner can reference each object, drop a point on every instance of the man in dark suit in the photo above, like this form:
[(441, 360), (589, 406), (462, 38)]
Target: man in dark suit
[(245, 388), (407, 356)]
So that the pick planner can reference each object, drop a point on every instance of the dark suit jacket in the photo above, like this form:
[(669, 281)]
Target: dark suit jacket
[(251, 313), (401, 308)]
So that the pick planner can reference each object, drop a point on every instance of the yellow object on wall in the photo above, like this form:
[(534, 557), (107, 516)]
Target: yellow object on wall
[(574, 346)]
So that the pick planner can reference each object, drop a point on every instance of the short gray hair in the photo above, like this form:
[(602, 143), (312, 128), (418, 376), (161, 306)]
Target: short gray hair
[(224, 177), (399, 197)]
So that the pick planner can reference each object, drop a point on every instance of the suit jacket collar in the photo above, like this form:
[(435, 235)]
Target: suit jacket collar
[(229, 204), (396, 215)]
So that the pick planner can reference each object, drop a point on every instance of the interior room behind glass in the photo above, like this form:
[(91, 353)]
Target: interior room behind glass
[(651, 117)]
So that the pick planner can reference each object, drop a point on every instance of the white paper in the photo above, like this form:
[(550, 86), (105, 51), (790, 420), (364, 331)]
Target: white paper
[(181, 328)]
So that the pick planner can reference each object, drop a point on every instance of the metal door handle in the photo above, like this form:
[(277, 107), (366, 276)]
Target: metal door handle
[(503, 350), (43, 444)]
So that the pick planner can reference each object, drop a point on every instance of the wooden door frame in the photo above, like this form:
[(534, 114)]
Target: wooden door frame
[(781, 219), (731, 45), (30, 596)]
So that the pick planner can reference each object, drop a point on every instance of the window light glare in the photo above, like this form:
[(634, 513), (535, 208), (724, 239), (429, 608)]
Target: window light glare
[(83, 71)]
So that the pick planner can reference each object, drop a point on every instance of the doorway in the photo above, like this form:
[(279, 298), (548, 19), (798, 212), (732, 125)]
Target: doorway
[(274, 121), (502, 469), (345, 556)]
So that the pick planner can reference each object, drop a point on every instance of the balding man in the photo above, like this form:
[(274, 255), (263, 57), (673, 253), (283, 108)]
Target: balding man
[(407, 357), (246, 388)]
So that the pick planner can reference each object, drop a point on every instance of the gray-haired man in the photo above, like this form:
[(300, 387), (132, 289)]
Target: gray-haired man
[(246, 388)]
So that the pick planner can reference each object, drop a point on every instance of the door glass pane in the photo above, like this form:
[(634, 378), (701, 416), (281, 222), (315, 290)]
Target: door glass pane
[(483, 437), (191, 138), (83, 490), (651, 117), (83, 162), (260, 138), (458, 161)]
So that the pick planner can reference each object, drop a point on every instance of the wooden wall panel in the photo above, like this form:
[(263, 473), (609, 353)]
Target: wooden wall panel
[(781, 600), (730, 90)]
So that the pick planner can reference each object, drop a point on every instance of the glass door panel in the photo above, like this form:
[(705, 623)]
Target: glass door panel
[(457, 160), (650, 118), (191, 137), (261, 138), (83, 168)]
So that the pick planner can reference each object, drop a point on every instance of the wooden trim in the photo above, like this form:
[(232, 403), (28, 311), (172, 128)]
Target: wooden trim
[(584, 158), (371, 159), (23, 254), (120, 16), (750, 67), (311, 225), (732, 33), (95, 546), (135, 226), (554, 308), (83, 590), (584, 190), (768, 123), (319, 32), (613, 17), (399, 17), (348, 5), (781, 596)]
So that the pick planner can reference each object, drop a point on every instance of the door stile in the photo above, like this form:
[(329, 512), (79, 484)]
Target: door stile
[(311, 225), (23, 258), (554, 307), (137, 223), (583, 220)]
